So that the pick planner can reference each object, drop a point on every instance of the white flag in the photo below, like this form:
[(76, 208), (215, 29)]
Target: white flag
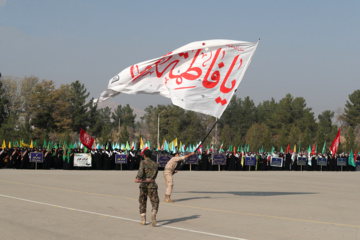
[(200, 76)]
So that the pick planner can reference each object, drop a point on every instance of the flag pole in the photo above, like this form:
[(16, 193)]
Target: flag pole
[(206, 135)]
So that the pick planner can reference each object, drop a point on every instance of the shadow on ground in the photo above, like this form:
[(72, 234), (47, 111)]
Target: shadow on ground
[(175, 220), (187, 199), (260, 194)]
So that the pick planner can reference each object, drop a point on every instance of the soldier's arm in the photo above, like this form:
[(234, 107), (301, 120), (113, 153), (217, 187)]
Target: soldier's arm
[(190, 154), (140, 174)]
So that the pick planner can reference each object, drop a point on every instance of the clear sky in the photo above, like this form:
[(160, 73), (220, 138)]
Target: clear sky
[(308, 48)]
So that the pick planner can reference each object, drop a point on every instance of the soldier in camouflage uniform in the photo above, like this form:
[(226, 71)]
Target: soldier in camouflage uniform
[(146, 176)]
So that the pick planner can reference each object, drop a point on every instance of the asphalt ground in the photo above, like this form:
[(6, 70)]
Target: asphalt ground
[(61, 204)]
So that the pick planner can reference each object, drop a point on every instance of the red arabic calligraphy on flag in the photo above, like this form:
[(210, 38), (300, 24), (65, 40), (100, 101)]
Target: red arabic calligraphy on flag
[(86, 139), (200, 76)]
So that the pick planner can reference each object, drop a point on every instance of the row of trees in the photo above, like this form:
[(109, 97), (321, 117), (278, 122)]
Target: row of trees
[(268, 124), (31, 109)]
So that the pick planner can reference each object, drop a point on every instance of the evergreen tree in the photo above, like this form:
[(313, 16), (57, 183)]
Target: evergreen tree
[(105, 124), (191, 129), (265, 110), (325, 121), (303, 117), (352, 109), (294, 135), (240, 115), (283, 139), (3, 104), (350, 139), (258, 136), (79, 108), (124, 135), (320, 137), (9, 129), (307, 139), (282, 118), (226, 135), (125, 115), (94, 128)]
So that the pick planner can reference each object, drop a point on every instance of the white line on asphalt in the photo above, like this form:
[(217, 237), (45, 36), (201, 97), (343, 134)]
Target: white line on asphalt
[(122, 218)]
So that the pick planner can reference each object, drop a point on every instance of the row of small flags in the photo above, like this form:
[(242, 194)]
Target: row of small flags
[(51, 145), (141, 144), (170, 147), (175, 147)]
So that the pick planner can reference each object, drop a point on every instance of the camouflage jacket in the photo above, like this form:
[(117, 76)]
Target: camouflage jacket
[(148, 169)]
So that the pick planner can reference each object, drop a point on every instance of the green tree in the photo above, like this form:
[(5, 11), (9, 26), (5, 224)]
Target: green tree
[(61, 114), (283, 117), (306, 139), (283, 139), (320, 138), (9, 129), (303, 117), (191, 129), (240, 115), (258, 136), (325, 120), (352, 109), (294, 136), (104, 120), (124, 135), (43, 107), (12, 94), (79, 108), (265, 110), (226, 135), (125, 115), (94, 127), (27, 87), (3, 104), (350, 139)]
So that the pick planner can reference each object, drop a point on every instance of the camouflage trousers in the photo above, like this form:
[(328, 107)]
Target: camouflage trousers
[(154, 199)]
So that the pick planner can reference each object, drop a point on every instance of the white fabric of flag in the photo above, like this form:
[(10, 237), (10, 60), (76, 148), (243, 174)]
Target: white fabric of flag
[(200, 76)]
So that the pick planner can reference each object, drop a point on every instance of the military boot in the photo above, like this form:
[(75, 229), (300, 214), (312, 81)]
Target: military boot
[(143, 219), (168, 199), (153, 218)]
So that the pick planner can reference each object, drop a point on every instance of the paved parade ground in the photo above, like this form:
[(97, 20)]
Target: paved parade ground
[(60, 204)]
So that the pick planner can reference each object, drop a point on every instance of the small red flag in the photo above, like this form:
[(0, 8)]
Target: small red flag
[(143, 150), (86, 139), (288, 148), (313, 149), (335, 143), (355, 155)]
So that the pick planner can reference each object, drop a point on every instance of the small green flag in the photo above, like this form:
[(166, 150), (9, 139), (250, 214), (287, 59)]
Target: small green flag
[(351, 160)]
